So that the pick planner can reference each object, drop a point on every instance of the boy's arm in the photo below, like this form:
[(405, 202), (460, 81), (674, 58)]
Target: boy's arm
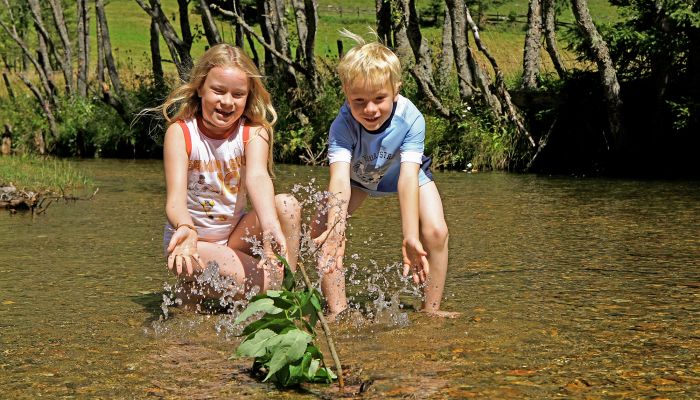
[(414, 257), (333, 238)]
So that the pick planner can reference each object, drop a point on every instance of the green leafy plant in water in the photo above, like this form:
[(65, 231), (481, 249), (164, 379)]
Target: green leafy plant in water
[(282, 340)]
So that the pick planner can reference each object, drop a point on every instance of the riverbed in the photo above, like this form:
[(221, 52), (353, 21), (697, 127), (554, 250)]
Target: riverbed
[(568, 287)]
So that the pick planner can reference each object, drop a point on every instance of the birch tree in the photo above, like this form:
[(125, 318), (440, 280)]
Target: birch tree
[(608, 75)]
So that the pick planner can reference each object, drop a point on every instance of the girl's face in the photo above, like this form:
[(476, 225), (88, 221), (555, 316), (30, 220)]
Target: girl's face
[(371, 107), (224, 94)]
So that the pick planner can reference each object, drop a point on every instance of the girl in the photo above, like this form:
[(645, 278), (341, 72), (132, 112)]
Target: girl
[(217, 149)]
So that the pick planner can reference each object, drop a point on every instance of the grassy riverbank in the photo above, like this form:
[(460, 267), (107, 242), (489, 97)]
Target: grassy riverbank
[(44, 174)]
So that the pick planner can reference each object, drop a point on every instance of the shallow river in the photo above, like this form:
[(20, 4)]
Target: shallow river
[(568, 288)]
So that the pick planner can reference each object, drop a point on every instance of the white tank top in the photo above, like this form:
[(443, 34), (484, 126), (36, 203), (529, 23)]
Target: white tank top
[(216, 196)]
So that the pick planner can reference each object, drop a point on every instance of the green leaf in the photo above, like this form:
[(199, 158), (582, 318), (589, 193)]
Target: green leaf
[(290, 348), (316, 301), (274, 323), (288, 282), (313, 368), (256, 345), (263, 305)]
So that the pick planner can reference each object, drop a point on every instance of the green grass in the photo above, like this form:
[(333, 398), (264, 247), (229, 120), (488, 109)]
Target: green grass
[(43, 174), (129, 32), (129, 28)]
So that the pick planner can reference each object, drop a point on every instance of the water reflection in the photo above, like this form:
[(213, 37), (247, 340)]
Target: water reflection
[(568, 287)]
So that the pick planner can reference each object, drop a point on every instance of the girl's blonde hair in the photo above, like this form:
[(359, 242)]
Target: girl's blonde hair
[(369, 64), (258, 108)]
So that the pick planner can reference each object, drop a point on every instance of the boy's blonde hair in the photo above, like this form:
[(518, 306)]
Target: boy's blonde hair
[(369, 64), (258, 107)]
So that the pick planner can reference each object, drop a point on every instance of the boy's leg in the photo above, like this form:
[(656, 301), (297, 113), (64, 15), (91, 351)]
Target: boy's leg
[(333, 282), (434, 237)]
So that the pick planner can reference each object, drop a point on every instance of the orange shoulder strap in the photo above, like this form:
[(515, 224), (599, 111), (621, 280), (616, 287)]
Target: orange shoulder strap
[(188, 139), (246, 134)]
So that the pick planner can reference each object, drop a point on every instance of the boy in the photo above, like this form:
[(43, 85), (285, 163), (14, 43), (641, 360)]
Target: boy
[(376, 148)]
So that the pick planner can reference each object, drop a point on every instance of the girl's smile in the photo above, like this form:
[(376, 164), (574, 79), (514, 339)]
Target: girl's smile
[(224, 94)]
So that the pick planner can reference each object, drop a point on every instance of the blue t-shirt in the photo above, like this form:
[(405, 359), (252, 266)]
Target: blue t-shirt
[(374, 156)]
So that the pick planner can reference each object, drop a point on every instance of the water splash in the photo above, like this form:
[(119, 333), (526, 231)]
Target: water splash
[(374, 291)]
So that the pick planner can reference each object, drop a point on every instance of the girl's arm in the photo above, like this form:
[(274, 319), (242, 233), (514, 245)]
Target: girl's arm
[(414, 257), (183, 245), (261, 190)]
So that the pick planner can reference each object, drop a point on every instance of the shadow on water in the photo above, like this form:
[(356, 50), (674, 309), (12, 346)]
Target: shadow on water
[(568, 287), (152, 304)]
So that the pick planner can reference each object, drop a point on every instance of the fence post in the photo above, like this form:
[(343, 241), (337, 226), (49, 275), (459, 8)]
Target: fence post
[(339, 43)]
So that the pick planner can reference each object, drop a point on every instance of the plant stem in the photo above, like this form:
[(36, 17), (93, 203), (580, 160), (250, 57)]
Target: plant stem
[(326, 329)]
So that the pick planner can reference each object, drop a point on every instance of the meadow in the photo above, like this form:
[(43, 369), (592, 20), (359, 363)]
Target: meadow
[(129, 32)]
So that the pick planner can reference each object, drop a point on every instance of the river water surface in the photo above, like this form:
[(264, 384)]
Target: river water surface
[(568, 288)]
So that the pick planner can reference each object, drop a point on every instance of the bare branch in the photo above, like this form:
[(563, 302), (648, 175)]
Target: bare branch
[(297, 66), (501, 89)]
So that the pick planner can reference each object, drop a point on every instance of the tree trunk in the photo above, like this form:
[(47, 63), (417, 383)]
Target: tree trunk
[(422, 70), (501, 105), (241, 35), (693, 71), (460, 48), (179, 48), (8, 86), (399, 24), (48, 113), (264, 13), (306, 18), (533, 40), (549, 13), (107, 47), (251, 44), (447, 55), (268, 46), (156, 61), (383, 11), (608, 75), (113, 100), (42, 39), (45, 80), (83, 47), (183, 10), (100, 68), (67, 60), (210, 29), (302, 30)]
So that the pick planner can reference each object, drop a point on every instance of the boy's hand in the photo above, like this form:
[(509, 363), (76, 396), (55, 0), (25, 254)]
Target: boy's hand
[(332, 250), (414, 257), (182, 249)]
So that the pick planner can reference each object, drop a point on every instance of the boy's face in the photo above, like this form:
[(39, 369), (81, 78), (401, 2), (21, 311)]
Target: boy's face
[(370, 106)]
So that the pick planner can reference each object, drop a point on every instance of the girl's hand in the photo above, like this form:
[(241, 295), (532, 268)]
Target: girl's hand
[(274, 243), (414, 257), (183, 249), (332, 250)]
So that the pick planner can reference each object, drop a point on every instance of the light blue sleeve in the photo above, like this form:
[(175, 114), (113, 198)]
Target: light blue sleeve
[(414, 142), (340, 141)]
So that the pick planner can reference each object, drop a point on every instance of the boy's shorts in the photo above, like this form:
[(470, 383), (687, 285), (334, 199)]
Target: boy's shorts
[(426, 162)]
